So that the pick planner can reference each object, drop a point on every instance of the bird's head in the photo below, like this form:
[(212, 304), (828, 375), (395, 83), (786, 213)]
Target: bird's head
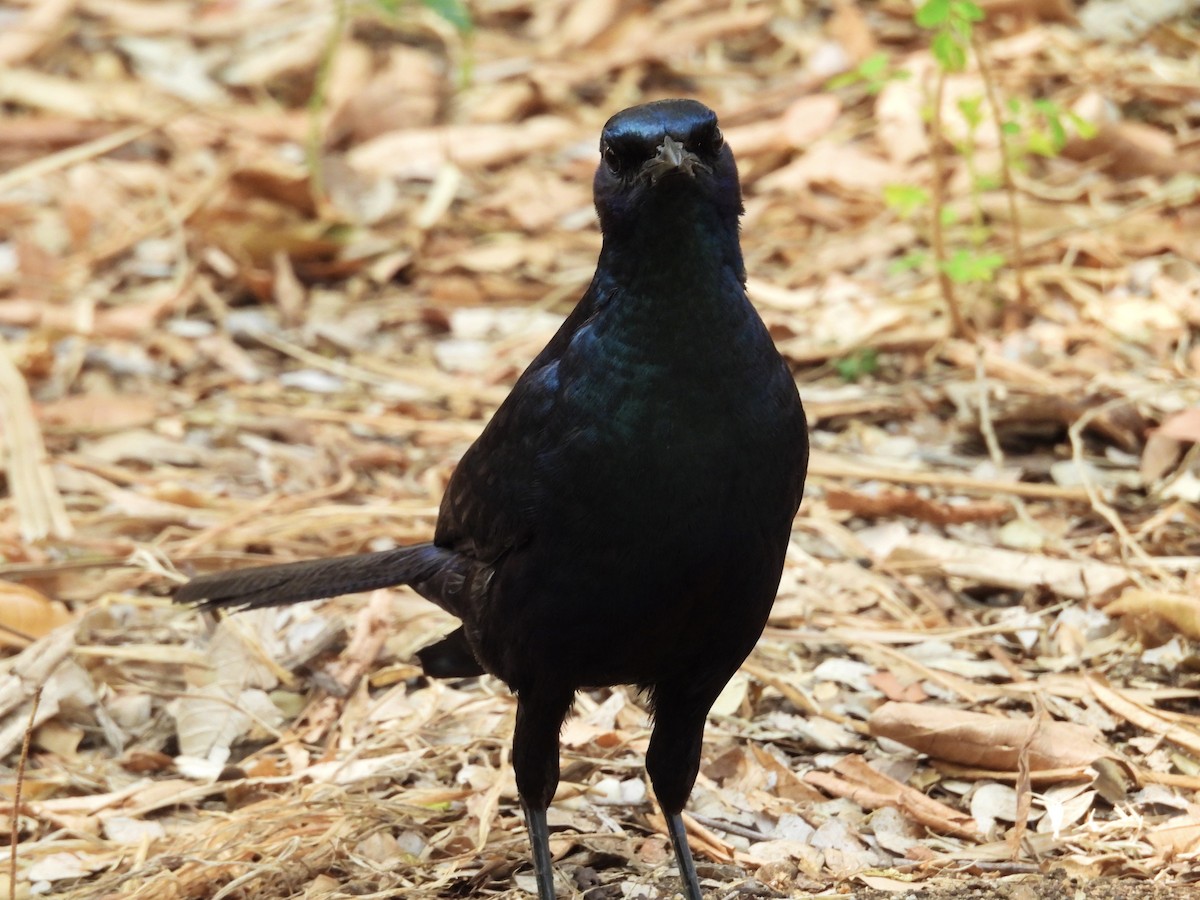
[(662, 161)]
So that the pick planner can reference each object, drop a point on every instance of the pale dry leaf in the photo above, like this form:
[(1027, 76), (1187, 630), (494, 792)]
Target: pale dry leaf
[(1121, 704), (343, 771), (990, 742), (61, 866), (141, 445), (729, 701), (1077, 580), (809, 119), (405, 92), (1131, 150), (267, 55), (1182, 426), (231, 695), (362, 199), (1065, 805), (128, 830), (1177, 836), (992, 802), (41, 511), (873, 790), (901, 129), (830, 163), (420, 152), (897, 834), (92, 411), (850, 672), (58, 738), (1157, 613), (37, 25), (46, 662), (763, 853), (1185, 487), (1117, 20), (382, 849), (883, 883), (173, 65), (585, 22)]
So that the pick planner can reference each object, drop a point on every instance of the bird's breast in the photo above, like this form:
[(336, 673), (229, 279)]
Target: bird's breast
[(684, 429)]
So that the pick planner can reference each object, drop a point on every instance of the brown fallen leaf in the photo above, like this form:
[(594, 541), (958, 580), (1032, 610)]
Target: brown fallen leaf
[(1030, 10), (888, 504), (1159, 456), (987, 741), (26, 613), (895, 689), (849, 27), (702, 840)]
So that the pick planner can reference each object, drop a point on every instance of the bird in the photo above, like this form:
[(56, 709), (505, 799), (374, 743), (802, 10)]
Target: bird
[(623, 517)]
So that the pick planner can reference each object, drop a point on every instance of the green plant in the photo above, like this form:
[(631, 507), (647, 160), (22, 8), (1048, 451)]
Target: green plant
[(1041, 128), (453, 11), (873, 73), (858, 364), (905, 200), (953, 24)]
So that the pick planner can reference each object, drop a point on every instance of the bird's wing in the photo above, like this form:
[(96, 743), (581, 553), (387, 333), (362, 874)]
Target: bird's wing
[(490, 503)]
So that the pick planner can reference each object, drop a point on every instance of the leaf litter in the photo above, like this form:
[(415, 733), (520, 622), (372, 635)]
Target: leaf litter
[(239, 327)]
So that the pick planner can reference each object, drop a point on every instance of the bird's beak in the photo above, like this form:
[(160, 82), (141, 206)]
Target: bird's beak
[(672, 157)]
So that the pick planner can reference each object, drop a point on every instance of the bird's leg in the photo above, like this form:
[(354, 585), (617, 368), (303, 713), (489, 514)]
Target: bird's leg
[(683, 856), (535, 763), (539, 841), (673, 760)]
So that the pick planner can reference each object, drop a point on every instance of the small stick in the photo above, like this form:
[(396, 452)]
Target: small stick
[(15, 833)]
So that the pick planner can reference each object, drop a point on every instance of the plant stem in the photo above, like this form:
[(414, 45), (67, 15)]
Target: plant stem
[(316, 101), (1010, 188), (958, 324)]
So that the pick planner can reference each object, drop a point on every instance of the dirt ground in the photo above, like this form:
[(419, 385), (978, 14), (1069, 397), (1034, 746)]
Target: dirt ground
[(1034, 887)]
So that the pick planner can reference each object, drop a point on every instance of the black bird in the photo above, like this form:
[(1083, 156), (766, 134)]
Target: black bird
[(623, 518)]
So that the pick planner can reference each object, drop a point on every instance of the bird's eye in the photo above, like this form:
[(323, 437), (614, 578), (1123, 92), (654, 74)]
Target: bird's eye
[(707, 142), (611, 159)]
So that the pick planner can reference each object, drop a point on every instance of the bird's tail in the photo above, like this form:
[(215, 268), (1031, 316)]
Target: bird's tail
[(421, 565)]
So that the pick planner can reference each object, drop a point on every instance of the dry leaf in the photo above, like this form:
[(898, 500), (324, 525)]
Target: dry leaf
[(1079, 580), (889, 504), (873, 790), (989, 742), (1182, 426), (96, 412), (27, 612), (1155, 616)]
